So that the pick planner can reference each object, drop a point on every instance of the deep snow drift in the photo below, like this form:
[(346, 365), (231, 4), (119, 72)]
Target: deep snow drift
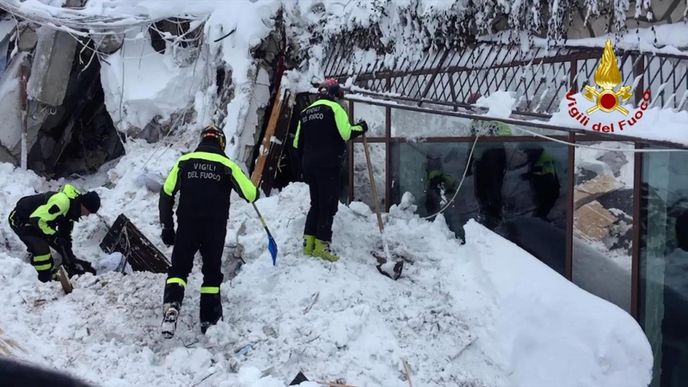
[(482, 314)]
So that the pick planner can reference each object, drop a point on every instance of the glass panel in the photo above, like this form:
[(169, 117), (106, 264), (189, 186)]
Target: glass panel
[(431, 173), (663, 289), (373, 115), (602, 221), (520, 130), (518, 189), (362, 190), (411, 124), (344, 181)]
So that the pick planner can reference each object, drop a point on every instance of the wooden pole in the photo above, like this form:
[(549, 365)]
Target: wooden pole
[(24, 114), (267, 138)]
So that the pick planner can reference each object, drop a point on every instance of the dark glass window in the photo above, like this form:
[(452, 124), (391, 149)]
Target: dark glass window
[(517, 189), (663, 290), (603, 220)]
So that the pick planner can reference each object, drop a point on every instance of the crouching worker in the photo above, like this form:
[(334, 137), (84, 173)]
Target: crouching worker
[(321, 135), (46, 220), (204, 180)]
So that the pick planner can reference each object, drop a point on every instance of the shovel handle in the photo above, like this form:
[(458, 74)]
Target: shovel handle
[(373, 187)]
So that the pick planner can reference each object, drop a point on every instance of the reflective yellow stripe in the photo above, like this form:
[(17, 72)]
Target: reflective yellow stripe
[(340, 118), (210, 289), (503, 129), (248, 190), (47, 266), (41, 258), (546, 163), (170, 186), (70, 191), (176, 280), (295, 144), (61, 200)]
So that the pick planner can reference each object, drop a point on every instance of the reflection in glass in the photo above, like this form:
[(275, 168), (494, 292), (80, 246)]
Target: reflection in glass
[(663, 291), (363, 191), (515, 188), (602, 221), (373, 115), (411, 124)]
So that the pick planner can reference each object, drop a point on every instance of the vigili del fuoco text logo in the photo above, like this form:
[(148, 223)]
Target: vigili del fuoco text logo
[(608, 97)]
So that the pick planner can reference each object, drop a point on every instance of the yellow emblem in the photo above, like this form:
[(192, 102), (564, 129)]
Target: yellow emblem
[(607, 77)]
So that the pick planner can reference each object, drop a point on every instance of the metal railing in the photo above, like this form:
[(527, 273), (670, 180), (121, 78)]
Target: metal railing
[(539, 77)]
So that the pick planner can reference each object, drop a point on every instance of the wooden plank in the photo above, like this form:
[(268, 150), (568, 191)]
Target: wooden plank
[(64, 280), (125, 238), (267, 137), (278, 145)]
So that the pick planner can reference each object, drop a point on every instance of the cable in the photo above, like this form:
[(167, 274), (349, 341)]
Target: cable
[(463, 177), (578, 145)]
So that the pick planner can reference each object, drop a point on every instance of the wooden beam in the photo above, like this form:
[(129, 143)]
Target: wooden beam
[(267, 137)]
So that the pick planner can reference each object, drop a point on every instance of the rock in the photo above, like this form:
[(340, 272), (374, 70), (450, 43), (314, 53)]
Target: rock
[(593, 189), (592, 221)]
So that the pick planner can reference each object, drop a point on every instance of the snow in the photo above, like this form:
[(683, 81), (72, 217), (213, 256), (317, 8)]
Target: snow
[(485, 312), (143, 85), (10, 106), (499, 104), (665, 39)]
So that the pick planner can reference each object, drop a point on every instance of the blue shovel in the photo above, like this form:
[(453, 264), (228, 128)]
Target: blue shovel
[(272, 245)]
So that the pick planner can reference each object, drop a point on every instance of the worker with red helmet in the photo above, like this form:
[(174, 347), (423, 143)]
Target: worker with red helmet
[(321, 135)]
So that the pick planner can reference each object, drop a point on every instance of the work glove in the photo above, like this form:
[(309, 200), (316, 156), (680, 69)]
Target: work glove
[(167, 236), (64, 247), (79, 267), (363, 125), (62, 242)]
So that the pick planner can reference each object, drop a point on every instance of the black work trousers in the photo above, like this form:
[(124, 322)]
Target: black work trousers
[(38, 246), (206, 235), (546, 191), (489, 178), (324, 186)]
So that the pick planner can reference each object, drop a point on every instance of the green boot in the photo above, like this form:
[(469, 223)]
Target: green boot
[(322, 250), (308, 242)]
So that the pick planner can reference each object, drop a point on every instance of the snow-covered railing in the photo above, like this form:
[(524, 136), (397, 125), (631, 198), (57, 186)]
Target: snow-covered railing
[(539, 77)]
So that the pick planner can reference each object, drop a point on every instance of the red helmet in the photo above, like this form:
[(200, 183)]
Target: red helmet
[(211, 131), (331, 88)]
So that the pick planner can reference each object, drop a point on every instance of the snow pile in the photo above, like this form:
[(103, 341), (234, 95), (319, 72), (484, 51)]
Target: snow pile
[(499, 104), (666, 39), (142, 85), (483, 314)]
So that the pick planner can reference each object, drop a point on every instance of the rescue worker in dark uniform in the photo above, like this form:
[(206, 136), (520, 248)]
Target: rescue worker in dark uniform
[(46, 220), (439, 186), (321, 135), (490, 168), (542, 175), (204, 180)]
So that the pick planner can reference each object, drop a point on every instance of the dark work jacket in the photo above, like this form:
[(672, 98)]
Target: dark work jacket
[(50, 213), (204, 179), (322, 133)]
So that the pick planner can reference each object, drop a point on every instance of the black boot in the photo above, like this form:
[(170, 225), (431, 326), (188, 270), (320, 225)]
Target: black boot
[(172, 303), (174, 293), (45, 275), (211, 310)]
